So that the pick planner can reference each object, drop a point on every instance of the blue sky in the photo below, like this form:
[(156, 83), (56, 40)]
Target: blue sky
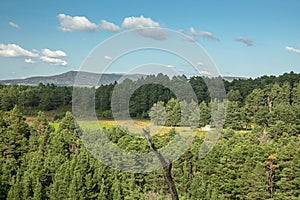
[(243, 38)]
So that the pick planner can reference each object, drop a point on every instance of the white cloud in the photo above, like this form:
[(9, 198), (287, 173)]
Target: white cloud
[(35, 51), (13, 50), (14, 25), (29, 61), (53, 54), (292, 49), (244, 40), (53, 61), (209, 35), (76, 24), (146, 27), (205, 73), (139, 22), (204, 34), (107, 58), (48, 56), (108, 26), (199, 64), (193, 31), (170, 66)]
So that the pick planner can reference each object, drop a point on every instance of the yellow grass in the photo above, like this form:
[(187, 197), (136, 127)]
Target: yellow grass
[(135, 126)]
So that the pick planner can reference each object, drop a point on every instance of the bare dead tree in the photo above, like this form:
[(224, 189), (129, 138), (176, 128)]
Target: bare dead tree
[(167, 167)]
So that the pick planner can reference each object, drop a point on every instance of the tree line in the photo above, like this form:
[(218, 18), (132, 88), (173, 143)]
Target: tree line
[(50, 97)]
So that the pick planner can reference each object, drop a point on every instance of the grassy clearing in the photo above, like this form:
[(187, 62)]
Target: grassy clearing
[(134, 126)]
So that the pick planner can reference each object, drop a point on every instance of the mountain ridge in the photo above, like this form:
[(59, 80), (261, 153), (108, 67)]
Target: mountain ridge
[(88, 78), (68, 79)]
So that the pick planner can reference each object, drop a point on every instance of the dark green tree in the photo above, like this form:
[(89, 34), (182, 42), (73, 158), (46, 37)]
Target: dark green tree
[(205, 114)]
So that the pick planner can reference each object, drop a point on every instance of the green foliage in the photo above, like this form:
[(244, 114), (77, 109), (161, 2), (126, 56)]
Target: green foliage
[(234, 114), (157, 113), (40, 162), (235, 95), (55, 165), (173, 112), (205, 114)]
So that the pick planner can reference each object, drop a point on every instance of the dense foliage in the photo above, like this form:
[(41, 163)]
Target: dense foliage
[(50, 97), (39, 162), (257, 156)]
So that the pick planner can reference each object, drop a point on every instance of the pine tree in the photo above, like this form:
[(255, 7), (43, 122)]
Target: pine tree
[(158, 114), (256, 107), (194, 116), (61, 182), (235, 95), (40, 133), (116, 189), (37, 191), (233, 117), (205, 114), (288, 172), (173, 112), (14, 133)]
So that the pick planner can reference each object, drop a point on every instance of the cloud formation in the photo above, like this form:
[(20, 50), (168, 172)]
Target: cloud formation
[(145, 27), (193, 31), (29, 61), (292, 49), (244, 40), (53, 54), (204, 34), (52, 57), (205, 73), (14, 25), (48, 56), (13, 50), (107, 58), (76, 24), (108, 26), (139, 22), (208, 35), (170, 66), (53, 61), (200, 64)]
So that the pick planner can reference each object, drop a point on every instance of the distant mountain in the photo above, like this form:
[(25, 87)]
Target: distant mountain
[(68, 78), (86, 78)]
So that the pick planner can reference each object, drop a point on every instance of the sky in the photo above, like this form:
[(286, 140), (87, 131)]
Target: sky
[(241, 38)]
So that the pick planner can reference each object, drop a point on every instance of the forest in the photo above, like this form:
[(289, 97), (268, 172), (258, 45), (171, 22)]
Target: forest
[(256, 157)]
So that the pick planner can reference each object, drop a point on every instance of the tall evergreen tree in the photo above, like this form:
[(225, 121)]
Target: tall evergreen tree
[(205, 114)]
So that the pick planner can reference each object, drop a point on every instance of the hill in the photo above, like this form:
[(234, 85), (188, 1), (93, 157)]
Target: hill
[(68, 78)]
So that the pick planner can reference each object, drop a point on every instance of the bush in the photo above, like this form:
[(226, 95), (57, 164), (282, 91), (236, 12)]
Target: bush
[(107, 114)]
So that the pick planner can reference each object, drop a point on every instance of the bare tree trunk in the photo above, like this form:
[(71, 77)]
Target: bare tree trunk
[(166, 166)]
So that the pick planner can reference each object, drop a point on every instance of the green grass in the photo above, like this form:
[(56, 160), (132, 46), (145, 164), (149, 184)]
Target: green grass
[(135, 126), (85, 125), (94, 125)]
